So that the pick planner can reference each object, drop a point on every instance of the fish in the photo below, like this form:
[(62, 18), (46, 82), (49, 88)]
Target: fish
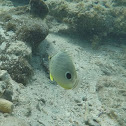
[(62, 70)]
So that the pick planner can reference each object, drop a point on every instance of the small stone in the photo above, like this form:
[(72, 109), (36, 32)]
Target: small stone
[(7, 95), (6, 106), (40, 104), (80, 104), (43, 100), (28, 112), (84, 99), (77, 101)]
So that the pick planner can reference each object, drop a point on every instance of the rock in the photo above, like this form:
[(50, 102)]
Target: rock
[(2, 39), (91, 18), (17, 48), (7, 94), (20, 2), (33, 32), (10, 27), (20, 48), (15, 57), (84, 98), (4, 76), (38, 8), (20, 70), (6, 90), (28, 112), (83, 17), (8, 87), (91, 122), (6, 106)]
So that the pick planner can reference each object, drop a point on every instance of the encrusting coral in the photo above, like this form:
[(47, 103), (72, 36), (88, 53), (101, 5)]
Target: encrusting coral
[(38, 8), (26, 33), (89, 18), (33, 32)]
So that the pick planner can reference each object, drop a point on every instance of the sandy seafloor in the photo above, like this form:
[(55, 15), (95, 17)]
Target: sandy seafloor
[(43, 103)]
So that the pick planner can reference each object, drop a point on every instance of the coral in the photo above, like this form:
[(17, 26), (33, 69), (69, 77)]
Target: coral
[(15, 58), (58, 9), (6, 90), (10, 27), (89, 18), (8, 87), (21, 49), (6, 17), (32, 33), (38, 8), (82, 18), (16, 51), (119, 23), (19, 69), (20, 10)]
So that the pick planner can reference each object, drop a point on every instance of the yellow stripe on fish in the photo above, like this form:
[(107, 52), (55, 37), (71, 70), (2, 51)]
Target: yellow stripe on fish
[(62, 70)]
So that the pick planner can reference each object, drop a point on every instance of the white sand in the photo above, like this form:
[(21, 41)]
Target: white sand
[(65, 107)]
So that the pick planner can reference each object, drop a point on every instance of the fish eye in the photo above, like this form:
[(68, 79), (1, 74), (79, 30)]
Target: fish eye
[(68, 75)]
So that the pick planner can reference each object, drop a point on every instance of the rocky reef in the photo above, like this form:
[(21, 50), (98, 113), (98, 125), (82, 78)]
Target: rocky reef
[(38, 8), (22, 33), (9, 90), (89, 18), (14, 58), (33, 32)]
